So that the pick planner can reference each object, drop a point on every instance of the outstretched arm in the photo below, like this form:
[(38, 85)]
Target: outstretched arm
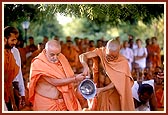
[(65, 81)]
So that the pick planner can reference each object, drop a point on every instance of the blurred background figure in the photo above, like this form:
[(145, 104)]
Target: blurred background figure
[(128, 53)]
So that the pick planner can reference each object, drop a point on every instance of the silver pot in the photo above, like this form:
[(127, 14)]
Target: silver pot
[(87, 88)]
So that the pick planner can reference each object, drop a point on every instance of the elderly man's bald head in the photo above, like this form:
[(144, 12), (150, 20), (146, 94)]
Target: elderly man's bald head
[(52, 50), (52, 44), (113, 45), (112, 50)]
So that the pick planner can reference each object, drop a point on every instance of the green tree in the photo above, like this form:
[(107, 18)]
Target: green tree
[(110, 13), (95, 20), (100, 13)]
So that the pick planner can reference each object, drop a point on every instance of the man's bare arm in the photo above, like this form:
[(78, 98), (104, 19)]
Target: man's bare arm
[(83, 57), (64, 81)]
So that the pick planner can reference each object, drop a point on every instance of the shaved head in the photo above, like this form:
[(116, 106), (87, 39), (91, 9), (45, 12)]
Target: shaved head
[(52, 50), (113, 45), (112, 50), (52, 44)]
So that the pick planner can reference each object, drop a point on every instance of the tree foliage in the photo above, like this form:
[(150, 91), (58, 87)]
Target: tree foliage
[(96, 19), (98, 13), (47, 28), (108, 13)]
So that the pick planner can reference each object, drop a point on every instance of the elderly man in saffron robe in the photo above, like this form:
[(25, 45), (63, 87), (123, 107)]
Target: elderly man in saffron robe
[(52, 81), (116, 95)]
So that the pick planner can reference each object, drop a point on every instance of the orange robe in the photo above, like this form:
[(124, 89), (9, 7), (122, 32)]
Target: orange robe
[(35, 53), (11, 69), (71, 54), (82, 100), (120, 98), (91, 48), (95, 70), (160, 97), (155, 59), (78, 65), (41, 66), (91, 61)]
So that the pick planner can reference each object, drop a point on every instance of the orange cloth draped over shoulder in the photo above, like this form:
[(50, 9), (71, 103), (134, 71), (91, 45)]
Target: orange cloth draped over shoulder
[(41, 66), (120, 75), (11, 69)]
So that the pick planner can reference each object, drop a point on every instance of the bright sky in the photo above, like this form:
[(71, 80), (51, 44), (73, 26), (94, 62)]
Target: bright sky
[(63, 19)]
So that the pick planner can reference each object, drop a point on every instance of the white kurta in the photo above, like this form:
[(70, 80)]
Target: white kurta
[(128, 53), (19, 77), (140, 52)]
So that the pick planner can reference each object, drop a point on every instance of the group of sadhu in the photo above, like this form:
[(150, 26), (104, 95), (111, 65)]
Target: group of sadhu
[(56, 69)]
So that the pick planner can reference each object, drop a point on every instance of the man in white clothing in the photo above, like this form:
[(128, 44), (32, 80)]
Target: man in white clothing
[(140, 54), (127, 53), (18, 82)]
